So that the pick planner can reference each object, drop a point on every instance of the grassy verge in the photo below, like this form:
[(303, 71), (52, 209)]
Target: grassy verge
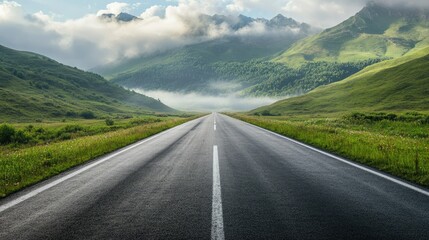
[(17, 136), (21, 167), (399, 148)]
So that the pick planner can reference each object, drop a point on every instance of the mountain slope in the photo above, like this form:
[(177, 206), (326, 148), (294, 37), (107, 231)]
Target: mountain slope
[(194, 67), (396, 85), (34, 86), (375, 32)]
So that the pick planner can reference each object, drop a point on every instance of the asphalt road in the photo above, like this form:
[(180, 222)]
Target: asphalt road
[(217, 177)]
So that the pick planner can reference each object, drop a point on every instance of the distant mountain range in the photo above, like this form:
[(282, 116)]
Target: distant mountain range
[(196, 67), (33, 86), (277, 23), (234, 22), (278, 65)]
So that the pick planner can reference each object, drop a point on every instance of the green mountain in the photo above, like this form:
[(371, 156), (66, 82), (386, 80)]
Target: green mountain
[(199, 66), (373, 33), (398, 85), (33, 86), (192, 68), (221, 68), (197, 59), (232, 65)]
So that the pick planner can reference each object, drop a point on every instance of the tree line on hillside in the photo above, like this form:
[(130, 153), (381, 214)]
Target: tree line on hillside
[(255, 78), (276, 79)]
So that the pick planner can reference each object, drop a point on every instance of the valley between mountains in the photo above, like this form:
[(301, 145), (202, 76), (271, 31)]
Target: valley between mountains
[(236, 127)]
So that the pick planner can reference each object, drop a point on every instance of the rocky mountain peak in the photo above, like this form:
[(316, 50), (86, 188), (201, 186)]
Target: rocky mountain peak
[(121, 17)]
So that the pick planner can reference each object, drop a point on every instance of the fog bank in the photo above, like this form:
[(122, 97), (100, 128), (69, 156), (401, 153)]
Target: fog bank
[(206, 103)]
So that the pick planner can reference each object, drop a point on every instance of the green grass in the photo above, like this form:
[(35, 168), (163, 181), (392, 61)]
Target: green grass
[(400, 148), (26, 164), (31, 134)]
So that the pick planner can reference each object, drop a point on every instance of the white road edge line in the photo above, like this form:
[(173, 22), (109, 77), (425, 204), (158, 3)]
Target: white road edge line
[(41, 189), (379, 174), (217, 214)]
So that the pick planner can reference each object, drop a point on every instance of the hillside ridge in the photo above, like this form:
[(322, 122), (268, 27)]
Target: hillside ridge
[(34, 86)]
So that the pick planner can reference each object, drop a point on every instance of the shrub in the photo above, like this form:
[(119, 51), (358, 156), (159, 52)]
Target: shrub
[(355, 116), (56, 114), (377, 117), (71, 114), (391, 117), (40, 130), (109, 122), (20, 137), (87, 115), (141, 121), (29, 128), (65, 136), (6, 134), (267, 113), (72, 128)]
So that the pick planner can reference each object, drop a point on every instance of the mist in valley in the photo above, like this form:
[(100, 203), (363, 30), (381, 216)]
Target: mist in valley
[(208, 103)]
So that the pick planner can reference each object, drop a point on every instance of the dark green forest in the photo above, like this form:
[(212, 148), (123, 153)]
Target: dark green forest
[(251, 78)]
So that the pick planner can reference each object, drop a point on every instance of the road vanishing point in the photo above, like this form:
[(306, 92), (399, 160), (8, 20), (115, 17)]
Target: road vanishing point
[(218, 178)]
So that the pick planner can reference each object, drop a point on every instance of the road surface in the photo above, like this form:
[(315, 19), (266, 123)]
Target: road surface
[(217, 178)]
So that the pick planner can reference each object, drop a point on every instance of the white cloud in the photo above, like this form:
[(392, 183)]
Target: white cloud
[(236, 7), (322, 13), (115, 8), (319, 13), (154, 11), (255, 28), (88, 41), (9, 9), (404, 3)]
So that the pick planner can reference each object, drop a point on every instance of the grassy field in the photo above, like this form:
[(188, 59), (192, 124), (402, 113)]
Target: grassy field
[(51, 148), (397, 144)]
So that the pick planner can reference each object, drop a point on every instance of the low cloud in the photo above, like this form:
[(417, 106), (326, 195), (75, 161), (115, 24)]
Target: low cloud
[(322, 13), (403, 3), (319, 13), (115, 8), (207, 103), (91, 41), (156, 11)]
